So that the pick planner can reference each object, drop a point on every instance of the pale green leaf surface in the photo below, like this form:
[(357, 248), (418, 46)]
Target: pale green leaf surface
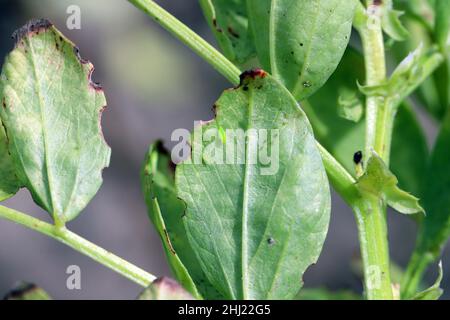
[(256, 233), (9, 183), (229, 22), (166, 212), (301, 42), (52, 117), (165, 289), (379, 182)]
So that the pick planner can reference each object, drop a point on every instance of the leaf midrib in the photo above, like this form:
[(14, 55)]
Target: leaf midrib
[(44, 131)]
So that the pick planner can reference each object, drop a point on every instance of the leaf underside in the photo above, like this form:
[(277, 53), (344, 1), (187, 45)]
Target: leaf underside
[(229, 22), (52, 113), (166, 211), (301, 42), (255, 234)]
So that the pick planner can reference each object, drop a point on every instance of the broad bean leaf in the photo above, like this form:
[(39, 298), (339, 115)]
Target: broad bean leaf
[(51, 113), (409, 151), (165, 289), (434, 292), (27, 291), (379, 182), (229, 22), (9, 184), (166, 212), (255, 223), (301, 42), (435, 228)]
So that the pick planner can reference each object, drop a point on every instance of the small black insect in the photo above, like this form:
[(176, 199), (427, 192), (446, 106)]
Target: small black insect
[(357, 157)]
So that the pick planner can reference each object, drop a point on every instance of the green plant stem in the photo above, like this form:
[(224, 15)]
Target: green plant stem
[(190, 38), (372, 230), (371, 213), (81, 245)]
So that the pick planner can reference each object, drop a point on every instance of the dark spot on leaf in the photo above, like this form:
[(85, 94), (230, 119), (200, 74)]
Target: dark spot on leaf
[(245, 88), (307, 84), (252, 74), (301, 44), (32, 26), (357, 157), (271, 241), (4, 103), (232, 32), (169, 243)]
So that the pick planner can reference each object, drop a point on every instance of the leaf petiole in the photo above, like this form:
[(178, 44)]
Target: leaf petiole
[(81, 245)]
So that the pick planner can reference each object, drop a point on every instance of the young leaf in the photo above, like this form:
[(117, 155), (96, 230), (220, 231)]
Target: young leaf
[(27, 291), (9, 184), (52, 114), (351, 106), (434, 292), (256, 219), (165, 289), (379, 182), (229, 23), (301, 42), (166, 212), (393, 26)]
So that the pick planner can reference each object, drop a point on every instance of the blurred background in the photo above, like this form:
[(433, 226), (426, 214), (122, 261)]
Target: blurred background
[(153, 85)]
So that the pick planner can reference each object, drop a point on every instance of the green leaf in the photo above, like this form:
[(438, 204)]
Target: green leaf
[(9, 184), (435, 229), (301, 42), (255, 224), (165, 289), (325, 294), (379, 182), (393, 26), (229, 23), (409, 151), (166, 212), (434, 292), (351, 106), (27, 291), (52, 117), (442, 23)]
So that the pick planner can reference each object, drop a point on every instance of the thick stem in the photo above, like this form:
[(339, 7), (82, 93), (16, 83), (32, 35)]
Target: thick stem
[(371, 220), (371, 213), (81, 245), (189, 38)]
